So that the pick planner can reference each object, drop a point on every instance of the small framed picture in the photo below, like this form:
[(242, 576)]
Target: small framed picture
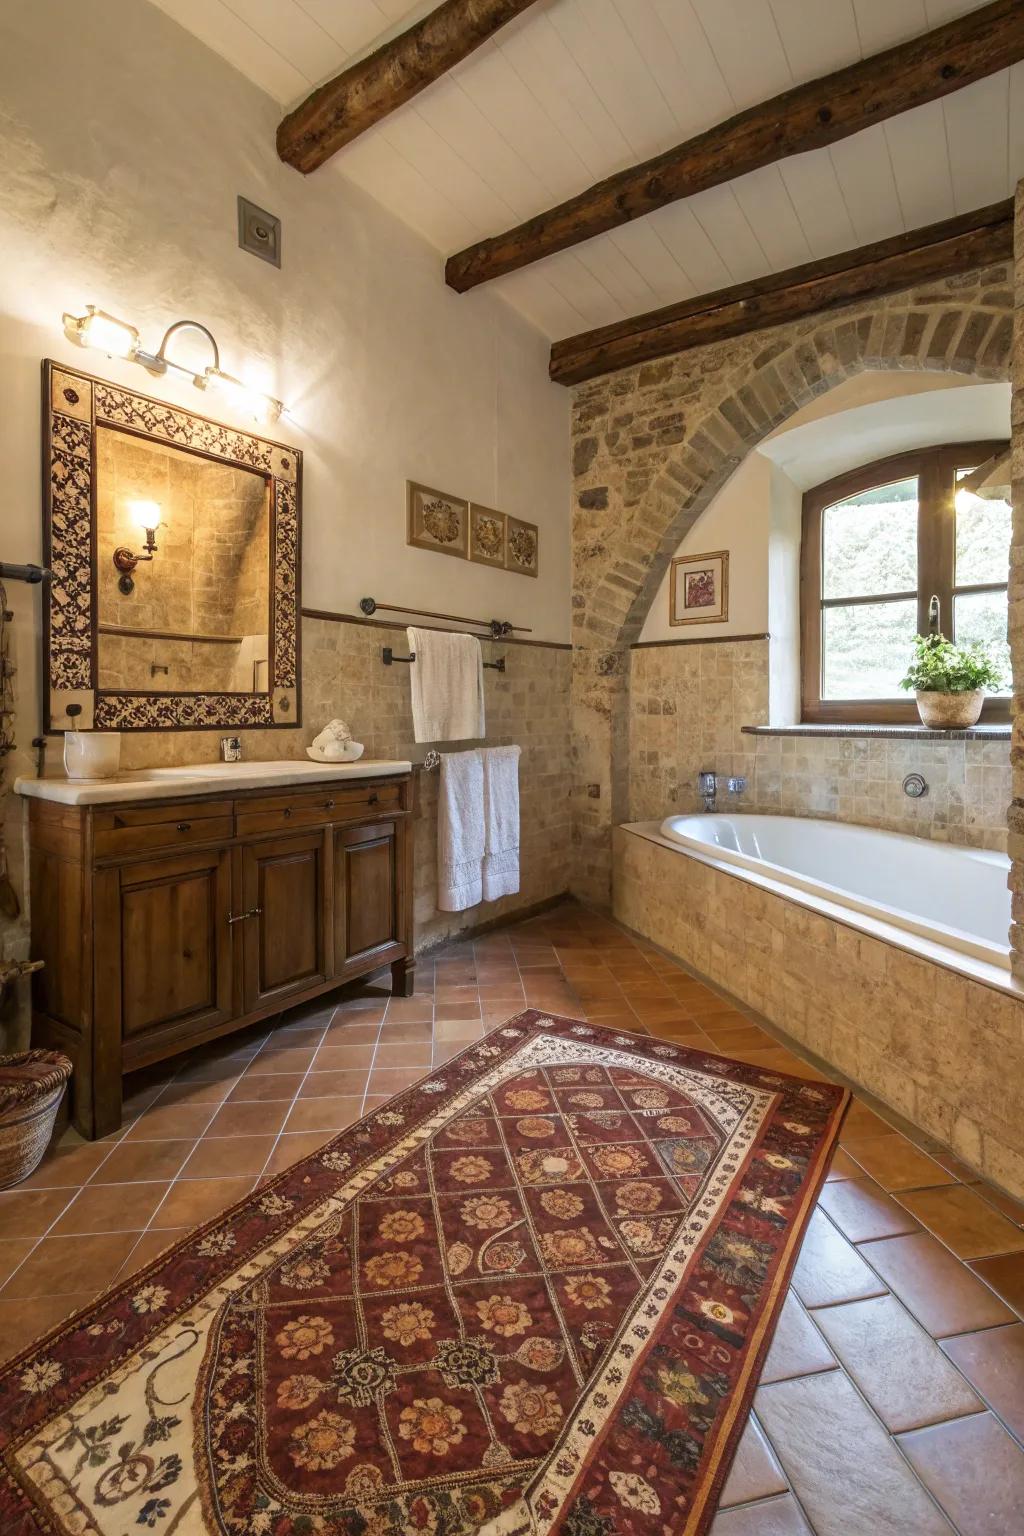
[(486, 535), (437, 521), (699, 589), (523, 547)]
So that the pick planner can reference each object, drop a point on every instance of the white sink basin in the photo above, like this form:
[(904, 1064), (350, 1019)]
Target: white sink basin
[(162, 783)]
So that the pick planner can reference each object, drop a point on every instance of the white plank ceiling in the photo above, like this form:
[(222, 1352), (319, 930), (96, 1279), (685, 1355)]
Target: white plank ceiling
[(576, 89)]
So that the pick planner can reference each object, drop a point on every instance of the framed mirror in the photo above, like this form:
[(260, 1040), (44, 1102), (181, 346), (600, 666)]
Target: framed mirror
[(174, 543)]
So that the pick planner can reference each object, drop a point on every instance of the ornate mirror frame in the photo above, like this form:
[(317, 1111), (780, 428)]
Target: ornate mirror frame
[(74, 405)]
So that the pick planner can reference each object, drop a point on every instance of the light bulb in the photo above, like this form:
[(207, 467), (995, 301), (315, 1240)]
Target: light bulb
[(98, 329), (253, 401), (147, 514), (964, 501)]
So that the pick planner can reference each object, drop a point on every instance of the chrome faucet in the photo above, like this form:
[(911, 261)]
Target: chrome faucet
[(707, 788)]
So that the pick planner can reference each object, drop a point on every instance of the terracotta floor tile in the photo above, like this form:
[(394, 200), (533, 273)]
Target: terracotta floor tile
[(321, 1085), (111, 1208), (348, 1029), (391, 1080), (993, 1362), (405, 1034), (942, 1293), (172, 1122), (842, 1166), (404, 1056), (975, 1472), (408, 1010), (895, 1163), (1007, 1206), (862, 1124), (334, 1058), (775, 1517), (851, 1479), (830, 1269), (191, 1202), (324, 1114), (293, 1147), (225, 1157), (797, 1348), (457, 1029), (67, 1163), (900, 1369), (279, 1086), (285, 1059), (755, 1473), (1006, 1277), (12, 1251), (738, 1037), (150, 1246), (242, 1119), (444, 1050), (24, 1319), (963, 1221), (61, 1265), (142, 1160), (31, 1213), (465, 1012), (199, 1093), (862, 1211)]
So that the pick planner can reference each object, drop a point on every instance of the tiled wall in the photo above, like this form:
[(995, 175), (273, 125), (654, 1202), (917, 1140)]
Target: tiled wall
[(689, 702), (945, 1052)]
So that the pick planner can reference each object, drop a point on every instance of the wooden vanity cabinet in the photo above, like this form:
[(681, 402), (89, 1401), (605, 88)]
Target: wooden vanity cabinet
[(164, 924)]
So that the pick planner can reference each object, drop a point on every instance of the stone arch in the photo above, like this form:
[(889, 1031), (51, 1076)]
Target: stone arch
[(654, 444)]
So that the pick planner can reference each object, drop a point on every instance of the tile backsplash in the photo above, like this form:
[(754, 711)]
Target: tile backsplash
[(688, 704)]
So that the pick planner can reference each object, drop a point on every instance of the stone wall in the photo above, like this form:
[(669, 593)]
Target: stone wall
[(944, 1051), (653, 444), (1016, 817), (688, 705)]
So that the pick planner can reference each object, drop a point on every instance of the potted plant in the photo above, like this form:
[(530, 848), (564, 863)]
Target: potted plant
[(949, 681)]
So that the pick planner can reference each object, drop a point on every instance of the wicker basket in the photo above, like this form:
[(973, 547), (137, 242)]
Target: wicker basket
[(32, 1085)]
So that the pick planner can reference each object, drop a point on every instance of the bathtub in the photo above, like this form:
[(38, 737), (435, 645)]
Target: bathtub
[(949, 903)]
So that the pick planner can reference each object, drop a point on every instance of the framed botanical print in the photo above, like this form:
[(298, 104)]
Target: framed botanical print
[(437, 521), (699, 589), (523, 547), (486, 536)]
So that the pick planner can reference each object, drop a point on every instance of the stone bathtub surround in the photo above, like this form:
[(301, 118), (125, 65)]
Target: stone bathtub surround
[(944, 1051), (652, 446), (688, 707)]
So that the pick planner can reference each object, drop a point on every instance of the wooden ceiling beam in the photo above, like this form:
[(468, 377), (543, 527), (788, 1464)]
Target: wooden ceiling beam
[(338, 112), (888, 266), (806, 117)]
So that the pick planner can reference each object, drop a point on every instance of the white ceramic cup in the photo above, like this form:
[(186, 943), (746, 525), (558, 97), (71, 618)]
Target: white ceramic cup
[(91, 754)]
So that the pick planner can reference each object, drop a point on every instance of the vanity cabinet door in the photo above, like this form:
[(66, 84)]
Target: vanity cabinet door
[(163, 954), (367, 923), (283, 913)]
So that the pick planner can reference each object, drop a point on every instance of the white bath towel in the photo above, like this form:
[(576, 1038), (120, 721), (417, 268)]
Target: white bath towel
[(501, 821), (447, 680), (460, 831)]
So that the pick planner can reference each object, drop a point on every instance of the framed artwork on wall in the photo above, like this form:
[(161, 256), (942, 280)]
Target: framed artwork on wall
[(523, 547), (486, 535), (699, 589), (437, 521)]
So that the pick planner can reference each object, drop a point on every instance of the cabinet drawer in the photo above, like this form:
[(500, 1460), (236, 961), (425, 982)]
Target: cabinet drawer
[(160, 826), (275, 813)]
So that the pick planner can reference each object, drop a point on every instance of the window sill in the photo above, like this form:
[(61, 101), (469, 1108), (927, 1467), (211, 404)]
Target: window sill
[(997, 732)]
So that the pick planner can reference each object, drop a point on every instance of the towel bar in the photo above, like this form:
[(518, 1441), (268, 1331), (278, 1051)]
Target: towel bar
[(389, 658)]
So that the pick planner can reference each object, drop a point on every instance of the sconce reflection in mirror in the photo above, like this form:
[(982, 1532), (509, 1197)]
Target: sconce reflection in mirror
[(148, 515), (117, 338)]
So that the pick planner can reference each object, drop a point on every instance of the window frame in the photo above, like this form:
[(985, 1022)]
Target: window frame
[(935, 469)]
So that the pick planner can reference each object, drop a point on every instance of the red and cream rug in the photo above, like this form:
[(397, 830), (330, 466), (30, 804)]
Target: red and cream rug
[(530, 1294)]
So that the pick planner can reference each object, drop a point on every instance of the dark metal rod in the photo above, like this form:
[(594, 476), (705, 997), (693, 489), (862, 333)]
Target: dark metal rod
[(389, 658), (33, 574), (497, 627)]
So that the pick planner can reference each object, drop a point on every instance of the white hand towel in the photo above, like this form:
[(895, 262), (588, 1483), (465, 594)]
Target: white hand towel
[(501, 819), (447, 681), (460, 831)]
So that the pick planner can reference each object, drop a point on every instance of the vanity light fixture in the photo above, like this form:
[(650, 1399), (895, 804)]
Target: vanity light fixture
[(148, 515), (98, 329)]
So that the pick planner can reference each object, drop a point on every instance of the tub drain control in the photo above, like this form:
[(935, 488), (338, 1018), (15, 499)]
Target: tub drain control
[(915, 785)]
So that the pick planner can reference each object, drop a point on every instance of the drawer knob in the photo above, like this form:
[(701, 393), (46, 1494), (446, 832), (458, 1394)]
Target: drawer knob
[(287, 811), (374, 799), (240, 917), (328, 805), (184, 826)]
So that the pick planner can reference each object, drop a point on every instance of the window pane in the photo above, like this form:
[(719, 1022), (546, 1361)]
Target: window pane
[(982, 538), (869, 542), (981, 616), (867, 649)]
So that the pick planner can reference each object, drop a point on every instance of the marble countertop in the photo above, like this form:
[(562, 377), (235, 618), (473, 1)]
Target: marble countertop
[(200, 779)]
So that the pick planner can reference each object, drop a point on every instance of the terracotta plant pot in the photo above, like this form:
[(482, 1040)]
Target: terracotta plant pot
[(950, 711)]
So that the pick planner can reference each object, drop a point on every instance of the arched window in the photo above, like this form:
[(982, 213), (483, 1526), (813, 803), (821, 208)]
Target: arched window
[(886, 547)]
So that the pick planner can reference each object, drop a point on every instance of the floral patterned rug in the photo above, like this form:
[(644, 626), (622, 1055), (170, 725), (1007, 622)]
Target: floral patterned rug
[(530, 1294)]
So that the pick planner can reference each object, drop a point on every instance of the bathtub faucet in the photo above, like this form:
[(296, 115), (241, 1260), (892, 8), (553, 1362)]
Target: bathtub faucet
[(707, 787)]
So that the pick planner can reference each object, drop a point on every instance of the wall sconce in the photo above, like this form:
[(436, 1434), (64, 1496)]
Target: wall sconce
[(148, 515), (118, 339)]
